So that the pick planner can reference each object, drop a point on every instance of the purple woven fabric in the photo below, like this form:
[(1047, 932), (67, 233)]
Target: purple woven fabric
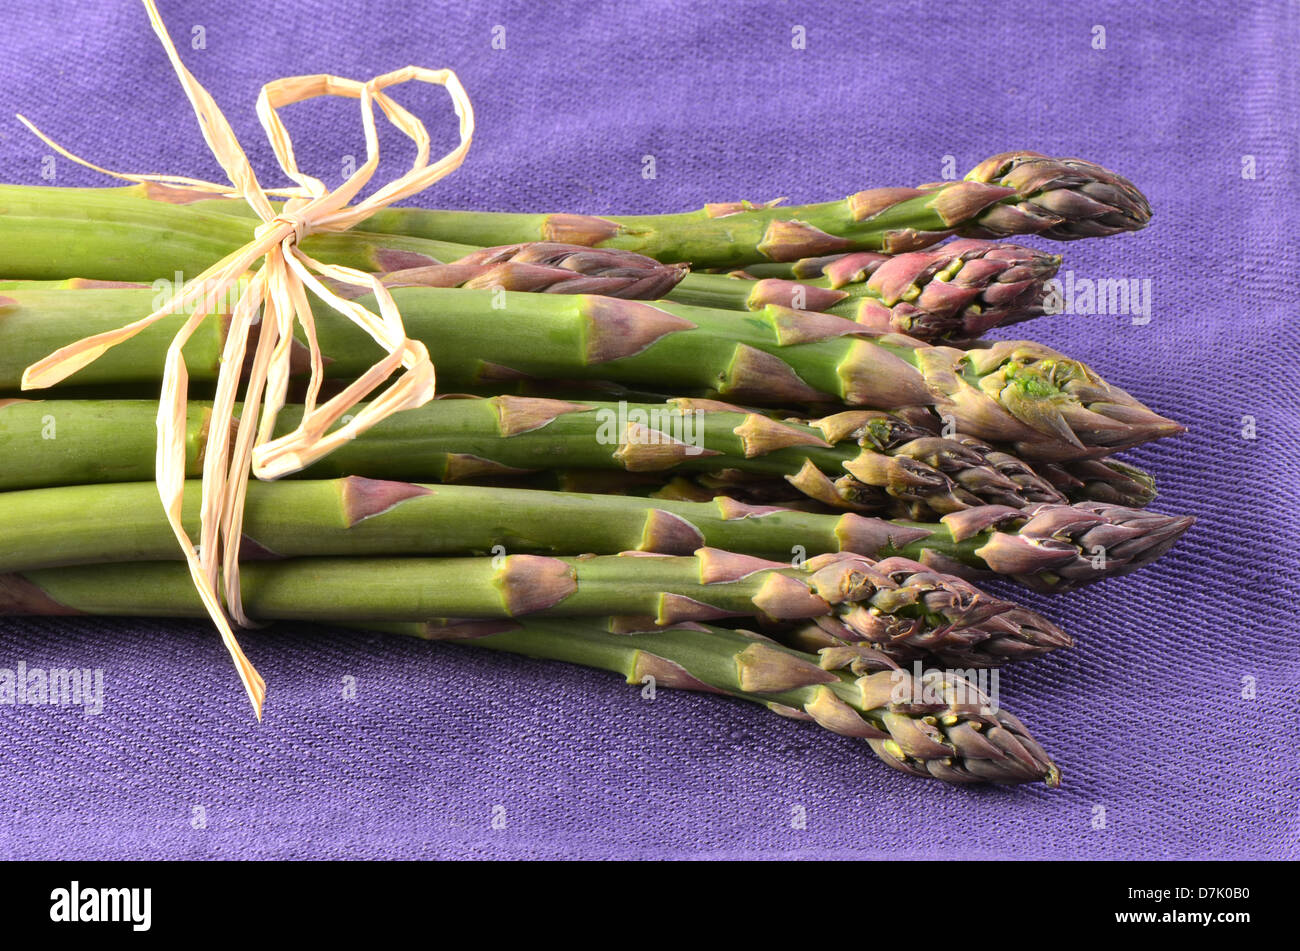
[(1174, 720)]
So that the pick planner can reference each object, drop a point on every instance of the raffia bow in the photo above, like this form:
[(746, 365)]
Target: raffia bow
[(278, 289)]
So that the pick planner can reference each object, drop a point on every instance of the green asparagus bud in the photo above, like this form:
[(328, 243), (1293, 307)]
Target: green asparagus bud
[(955, 292), (549, 268)]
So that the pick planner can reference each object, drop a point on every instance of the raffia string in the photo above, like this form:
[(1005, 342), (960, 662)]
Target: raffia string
[(279, 290)]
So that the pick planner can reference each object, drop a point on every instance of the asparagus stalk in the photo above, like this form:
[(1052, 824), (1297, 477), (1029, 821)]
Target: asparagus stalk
[(155, 230), (150, 232), (1115, 488), (1045, 405), (936, 724), (905, 610), (1087, 480), (1047, 547), (878, 466), (956, 291), (540, 268), (1008, 194)]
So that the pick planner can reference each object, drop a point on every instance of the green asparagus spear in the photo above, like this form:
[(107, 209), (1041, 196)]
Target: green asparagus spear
[(903, 609), (1045, 405), (539, 268), (1047, 547), (151, 232), (1008, 194), (878, 466), (144, 232)]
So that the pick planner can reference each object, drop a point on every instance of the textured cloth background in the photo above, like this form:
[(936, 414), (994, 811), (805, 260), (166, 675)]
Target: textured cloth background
[(1167, 752)]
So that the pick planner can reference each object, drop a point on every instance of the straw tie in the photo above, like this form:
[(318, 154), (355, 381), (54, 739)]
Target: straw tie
[(268, 306)]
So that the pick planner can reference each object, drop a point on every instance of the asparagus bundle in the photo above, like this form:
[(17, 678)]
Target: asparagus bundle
[(956, 291), (357, 550), (1046, 547), (1043, 404), (936, 724), (867, 616)]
